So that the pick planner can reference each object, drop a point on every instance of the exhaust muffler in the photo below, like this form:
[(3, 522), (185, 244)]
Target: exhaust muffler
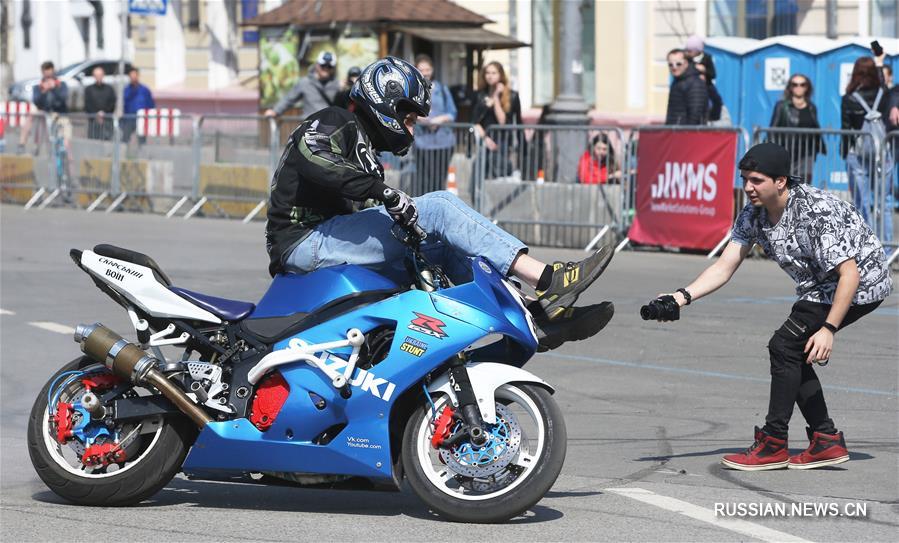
[(128, 361)]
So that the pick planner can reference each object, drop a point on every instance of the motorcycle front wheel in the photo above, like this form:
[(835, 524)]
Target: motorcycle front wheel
[(500, 480)]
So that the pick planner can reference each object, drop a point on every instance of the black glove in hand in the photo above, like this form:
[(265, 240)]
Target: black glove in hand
[(663, 308), (402, 208)]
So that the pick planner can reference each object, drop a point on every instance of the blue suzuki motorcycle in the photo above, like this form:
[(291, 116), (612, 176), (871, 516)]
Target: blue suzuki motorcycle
[(339, 378)]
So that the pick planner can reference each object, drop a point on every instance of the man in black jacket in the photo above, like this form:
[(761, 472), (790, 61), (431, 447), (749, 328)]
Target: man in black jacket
[(688, 98), (99, 100), (329, 205)]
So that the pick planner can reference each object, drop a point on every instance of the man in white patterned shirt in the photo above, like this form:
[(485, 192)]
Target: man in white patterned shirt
[(841, 275)]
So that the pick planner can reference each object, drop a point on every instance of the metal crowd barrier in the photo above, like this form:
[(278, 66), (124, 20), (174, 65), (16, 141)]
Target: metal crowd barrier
[(441, 157), (234, 158), (544, 184), (26, 168), (837, 161)]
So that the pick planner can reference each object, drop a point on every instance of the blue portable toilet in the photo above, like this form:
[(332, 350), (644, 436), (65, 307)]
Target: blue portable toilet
[(727, 53), (766, 72)]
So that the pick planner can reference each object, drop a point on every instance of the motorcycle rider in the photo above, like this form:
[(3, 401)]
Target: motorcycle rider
[(325, 208)]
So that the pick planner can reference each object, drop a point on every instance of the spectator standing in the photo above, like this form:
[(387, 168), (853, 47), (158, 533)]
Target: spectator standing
[(434, 142), (136, 97), (99, 100), (688, 97), (318, 90), (51, 97), (496, 104), (702, 61), (865, 106), (343, 97), (796, 110), (597, 164), (893, 123)]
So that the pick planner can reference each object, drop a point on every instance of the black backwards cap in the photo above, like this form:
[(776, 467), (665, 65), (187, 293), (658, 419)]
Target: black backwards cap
[(770, 159)]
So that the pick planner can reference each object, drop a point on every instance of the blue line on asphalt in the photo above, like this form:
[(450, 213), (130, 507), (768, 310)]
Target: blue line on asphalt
[(703, 373)]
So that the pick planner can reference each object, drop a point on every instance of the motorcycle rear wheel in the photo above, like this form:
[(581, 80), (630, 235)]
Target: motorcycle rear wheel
[(514, 484), (155, 455)]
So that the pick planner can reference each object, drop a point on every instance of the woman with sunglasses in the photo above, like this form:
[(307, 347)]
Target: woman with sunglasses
[(796, 110)]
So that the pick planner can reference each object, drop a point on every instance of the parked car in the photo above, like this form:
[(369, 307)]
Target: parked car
[(76, 77)]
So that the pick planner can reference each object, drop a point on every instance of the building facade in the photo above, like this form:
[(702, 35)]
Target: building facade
[(625, 42), (199, 54)]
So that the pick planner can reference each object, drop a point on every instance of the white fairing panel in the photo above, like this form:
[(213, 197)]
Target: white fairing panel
[(138, 285), (485, 378)]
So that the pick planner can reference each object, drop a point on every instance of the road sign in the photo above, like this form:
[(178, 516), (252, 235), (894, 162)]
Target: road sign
[(147, 7)]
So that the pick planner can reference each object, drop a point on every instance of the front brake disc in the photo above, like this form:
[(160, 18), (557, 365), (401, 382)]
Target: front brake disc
[(503, 443)]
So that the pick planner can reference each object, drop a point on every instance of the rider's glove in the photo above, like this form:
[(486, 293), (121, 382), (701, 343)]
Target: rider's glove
[(401, 207)]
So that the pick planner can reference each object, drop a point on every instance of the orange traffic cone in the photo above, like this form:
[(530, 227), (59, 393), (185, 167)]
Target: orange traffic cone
[(451, 181), (540, 178)]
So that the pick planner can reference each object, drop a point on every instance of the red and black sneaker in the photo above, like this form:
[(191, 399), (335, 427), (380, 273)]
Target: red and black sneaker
[(823, 450), (766, 453)]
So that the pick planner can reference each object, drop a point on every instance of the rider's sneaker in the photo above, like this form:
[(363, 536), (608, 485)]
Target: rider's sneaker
[(766, 453), (575, 324), (570, 279), (823, 450)]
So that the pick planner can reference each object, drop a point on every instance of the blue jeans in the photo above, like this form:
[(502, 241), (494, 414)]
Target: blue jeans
[(861, 185), (456, 233)]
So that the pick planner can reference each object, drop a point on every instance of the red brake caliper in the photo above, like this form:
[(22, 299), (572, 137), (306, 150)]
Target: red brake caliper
[(442, 427), (100, 381), (102, 455), (63, 420)]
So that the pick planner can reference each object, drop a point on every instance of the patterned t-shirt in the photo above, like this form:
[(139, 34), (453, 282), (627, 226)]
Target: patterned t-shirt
[(817, 232)]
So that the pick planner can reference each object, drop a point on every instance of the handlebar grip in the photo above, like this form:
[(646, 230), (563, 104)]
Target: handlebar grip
[(391, 197)]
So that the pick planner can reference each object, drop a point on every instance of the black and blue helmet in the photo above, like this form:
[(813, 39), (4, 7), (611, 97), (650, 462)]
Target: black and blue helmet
[(387, 91)]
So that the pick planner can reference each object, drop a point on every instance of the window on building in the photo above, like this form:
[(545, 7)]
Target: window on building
[(588, 51), (885, 18), (544, 53), (546, 35), (193, 14), (248, 10), (757, 19)]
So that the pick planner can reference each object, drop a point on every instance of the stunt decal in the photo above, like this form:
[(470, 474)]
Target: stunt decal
[(414, 347), (428, 326)]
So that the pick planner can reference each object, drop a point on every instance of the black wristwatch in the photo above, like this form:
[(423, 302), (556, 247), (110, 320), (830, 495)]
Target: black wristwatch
[(832, 328), (686, 294)]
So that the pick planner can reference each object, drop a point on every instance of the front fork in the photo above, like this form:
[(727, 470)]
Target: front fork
[(468, 403)]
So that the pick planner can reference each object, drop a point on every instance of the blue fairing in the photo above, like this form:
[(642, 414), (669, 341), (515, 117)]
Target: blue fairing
[(295, 293), (438, 325)]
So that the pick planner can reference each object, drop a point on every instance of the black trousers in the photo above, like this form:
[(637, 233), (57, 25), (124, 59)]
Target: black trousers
[(792, 380)]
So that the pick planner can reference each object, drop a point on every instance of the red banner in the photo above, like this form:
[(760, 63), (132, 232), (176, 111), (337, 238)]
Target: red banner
[(685, 184)]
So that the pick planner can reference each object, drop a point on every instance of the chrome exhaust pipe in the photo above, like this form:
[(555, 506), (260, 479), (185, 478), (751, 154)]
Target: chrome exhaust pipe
[(128, 361)]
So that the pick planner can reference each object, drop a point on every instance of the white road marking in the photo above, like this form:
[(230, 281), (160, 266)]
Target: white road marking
[(705, 515), (53, 327), (7, 312)]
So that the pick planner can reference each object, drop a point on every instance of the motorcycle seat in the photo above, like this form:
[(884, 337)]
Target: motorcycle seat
[(228, 310), (111, 251)]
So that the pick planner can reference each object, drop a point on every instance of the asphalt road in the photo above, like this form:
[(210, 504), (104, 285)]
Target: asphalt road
[(650, 408)]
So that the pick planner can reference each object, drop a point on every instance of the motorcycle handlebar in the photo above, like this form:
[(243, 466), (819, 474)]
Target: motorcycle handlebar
[(416, 233)]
